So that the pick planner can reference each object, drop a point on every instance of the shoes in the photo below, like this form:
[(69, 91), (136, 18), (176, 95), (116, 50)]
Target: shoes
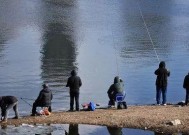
[(78, 110), (71, 110), (33, 115), (158, 104), (16, 117), (164, 104)]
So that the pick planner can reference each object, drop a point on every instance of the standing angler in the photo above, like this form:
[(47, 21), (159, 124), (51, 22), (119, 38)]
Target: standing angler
[(74, 83), (161, 82), (186, 86)]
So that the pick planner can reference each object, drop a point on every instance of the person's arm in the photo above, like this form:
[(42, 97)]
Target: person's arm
[(156, 72), (68, 83), (184, 83), (110, 90), (51, 95), (80, 82), (39, 97), (168, 72)]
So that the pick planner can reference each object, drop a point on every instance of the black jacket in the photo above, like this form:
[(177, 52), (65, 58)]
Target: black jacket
[(44, 98), (7, 100), (74, 82), (186, 82), (162, 74)]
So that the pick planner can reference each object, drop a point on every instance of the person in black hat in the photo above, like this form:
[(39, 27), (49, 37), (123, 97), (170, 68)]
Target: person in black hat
[(74, 83), (6, 103), (43, 100), (186, 86), (161, 82)]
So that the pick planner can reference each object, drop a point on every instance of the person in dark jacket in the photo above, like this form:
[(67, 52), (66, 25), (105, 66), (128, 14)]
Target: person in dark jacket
[(43, 100), (186, 86), (115, 88), (74, 83), (6, 103), (161, 82)]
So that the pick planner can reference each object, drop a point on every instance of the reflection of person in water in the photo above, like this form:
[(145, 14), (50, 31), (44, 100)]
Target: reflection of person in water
[(73, 129), (115, 130)]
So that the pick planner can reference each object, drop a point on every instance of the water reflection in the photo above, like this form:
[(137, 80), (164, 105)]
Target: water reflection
[(58, 49), (115, 130), (58, 55), (73, 129)]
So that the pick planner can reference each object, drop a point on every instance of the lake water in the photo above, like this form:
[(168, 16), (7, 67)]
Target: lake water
[(41, 41), (61, 129)]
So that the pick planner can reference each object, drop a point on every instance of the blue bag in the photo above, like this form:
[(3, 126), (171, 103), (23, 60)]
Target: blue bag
[(92, 106)]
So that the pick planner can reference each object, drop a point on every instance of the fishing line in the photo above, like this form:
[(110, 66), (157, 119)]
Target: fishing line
[(117, 65), (148, 32), (26, 102)]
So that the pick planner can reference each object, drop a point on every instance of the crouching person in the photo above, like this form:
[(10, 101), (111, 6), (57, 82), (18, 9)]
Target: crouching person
[(116, 88), (6, 103), (43, 100)]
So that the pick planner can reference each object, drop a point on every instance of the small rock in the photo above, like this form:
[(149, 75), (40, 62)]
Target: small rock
[(174, 122)]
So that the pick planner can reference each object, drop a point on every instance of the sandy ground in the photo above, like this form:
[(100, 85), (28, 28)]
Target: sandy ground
[(154, 118)]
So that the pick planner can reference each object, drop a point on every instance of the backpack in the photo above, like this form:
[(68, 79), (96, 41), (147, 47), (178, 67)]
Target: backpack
[(92, 106)]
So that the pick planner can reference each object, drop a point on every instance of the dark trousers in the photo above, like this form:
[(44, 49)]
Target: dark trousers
[(187, 96), (163, 91), (74, 96), (35, 105), (112, 99), (5, 110)]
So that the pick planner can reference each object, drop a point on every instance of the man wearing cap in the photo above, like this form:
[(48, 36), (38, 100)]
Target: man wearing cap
[(43, 100), (6, 103)]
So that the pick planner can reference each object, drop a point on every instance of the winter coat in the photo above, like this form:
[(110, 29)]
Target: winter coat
[(162, 75), (186, 82), (117, 87), (74, 82), (44, 98), (7, 100)]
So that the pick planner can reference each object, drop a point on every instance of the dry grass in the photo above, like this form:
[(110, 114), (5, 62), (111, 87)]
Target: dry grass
[(143, 117)]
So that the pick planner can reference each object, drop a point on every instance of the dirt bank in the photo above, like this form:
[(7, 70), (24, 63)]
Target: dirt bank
[(153, 118)]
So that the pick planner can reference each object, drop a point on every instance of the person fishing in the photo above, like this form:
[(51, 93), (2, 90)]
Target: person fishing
[(74, 83), (43, 100), (115, 88), (6, 103), (186, 86), (161, 82)]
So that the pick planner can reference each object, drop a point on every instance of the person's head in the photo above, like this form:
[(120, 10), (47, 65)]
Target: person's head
[(73, 73), (162, 64), (45, 85), (116, 79)]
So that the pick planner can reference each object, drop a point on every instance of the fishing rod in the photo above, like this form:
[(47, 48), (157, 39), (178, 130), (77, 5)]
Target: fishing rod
[(26, 102), (148, 31), (27, 98)]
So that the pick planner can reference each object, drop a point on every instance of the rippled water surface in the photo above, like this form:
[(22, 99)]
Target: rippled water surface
[(43, 40)]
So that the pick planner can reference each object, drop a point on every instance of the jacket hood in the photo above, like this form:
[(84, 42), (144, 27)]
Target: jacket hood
[(116, 79), (46, 90), (73, 73), (162, 64)]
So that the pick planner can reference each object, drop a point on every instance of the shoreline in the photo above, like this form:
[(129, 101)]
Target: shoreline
[(152, 118)]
